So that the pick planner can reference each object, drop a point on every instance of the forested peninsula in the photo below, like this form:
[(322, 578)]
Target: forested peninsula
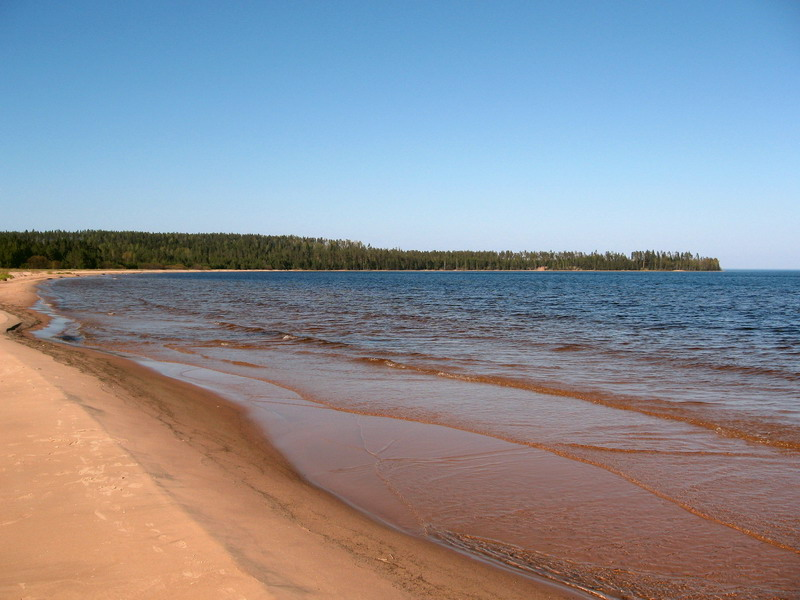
[(97, 249)]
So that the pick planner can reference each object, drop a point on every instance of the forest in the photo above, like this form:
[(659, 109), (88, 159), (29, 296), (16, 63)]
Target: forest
[(97, 249)]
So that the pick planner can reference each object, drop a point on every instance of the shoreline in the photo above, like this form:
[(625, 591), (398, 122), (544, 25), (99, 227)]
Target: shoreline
[(279, 536), (89, 272)]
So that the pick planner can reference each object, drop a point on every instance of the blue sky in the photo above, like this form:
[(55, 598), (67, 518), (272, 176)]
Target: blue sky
[(570, 125)]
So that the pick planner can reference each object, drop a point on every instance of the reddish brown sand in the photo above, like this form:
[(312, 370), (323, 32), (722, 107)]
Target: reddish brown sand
[(121, 483)]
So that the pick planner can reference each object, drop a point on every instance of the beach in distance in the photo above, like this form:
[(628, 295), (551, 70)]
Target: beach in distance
[(403, 434)]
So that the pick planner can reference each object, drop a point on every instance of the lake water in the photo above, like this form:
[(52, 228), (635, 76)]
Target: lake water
[(632, 435)]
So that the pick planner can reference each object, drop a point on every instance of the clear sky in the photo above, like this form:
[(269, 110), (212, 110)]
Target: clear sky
[(563, 125)]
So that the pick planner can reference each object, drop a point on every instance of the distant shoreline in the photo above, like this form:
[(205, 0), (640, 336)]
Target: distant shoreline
[(91, 249), (68, 272)]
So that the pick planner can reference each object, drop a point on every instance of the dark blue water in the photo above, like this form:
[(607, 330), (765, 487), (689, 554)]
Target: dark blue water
[(663, 392)]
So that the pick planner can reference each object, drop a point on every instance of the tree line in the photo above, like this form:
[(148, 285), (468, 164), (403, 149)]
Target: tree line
[(97, 249)]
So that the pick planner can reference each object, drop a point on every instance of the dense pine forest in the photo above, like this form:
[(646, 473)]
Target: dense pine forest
[(94, 249)]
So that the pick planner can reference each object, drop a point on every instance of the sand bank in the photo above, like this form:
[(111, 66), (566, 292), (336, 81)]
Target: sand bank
[(121, 483)]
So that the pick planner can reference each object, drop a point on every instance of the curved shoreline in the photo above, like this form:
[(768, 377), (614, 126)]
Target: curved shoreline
[(210, 464)]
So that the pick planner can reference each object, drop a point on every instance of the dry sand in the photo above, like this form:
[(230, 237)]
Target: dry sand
[(120, 483)]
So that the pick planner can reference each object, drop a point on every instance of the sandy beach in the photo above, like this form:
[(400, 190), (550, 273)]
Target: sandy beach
[(121, 483)]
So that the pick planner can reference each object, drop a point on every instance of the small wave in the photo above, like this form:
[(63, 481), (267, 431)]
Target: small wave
[(570, 348), (312, 341), (694, 363), (232, 344), (599, 581), (282, 336), (179, 348), (530, 562), (383, 361), (594, 448), (241, 363), (747, 370), (777, 436), (245, 328)]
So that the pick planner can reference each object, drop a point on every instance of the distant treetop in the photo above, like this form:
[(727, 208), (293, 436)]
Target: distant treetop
[(96, 249)]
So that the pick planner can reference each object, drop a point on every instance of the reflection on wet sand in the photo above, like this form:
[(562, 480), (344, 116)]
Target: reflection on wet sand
[(524, 507)]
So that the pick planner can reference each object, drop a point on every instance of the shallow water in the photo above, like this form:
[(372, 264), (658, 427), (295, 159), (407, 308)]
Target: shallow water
[(629, 434)]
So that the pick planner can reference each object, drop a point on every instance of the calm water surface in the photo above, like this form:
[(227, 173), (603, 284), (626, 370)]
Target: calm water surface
[(633, 435)]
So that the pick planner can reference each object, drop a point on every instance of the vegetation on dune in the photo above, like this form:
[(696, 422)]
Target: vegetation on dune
[(96, 249)]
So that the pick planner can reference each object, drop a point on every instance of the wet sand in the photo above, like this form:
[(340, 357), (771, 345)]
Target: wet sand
[(123, 483)]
